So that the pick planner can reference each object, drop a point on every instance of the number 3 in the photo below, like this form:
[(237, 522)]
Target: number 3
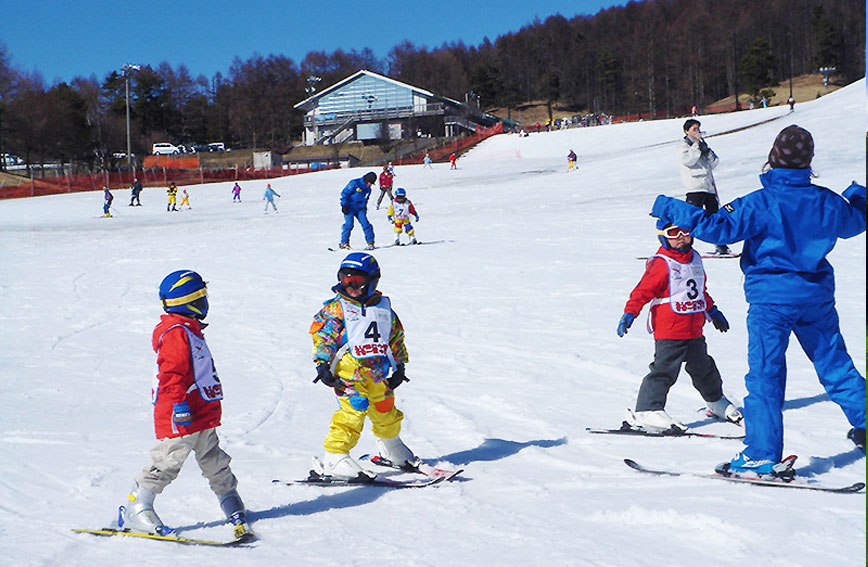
[(693, 293)]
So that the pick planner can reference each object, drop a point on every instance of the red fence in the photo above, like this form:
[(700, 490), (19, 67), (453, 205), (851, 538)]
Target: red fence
[(441, 153), (158, 177)]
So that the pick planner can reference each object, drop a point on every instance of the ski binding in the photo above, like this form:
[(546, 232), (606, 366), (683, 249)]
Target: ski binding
[(416, 467)]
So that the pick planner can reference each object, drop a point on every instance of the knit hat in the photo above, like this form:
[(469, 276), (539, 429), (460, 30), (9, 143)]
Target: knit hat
[(793, 149)]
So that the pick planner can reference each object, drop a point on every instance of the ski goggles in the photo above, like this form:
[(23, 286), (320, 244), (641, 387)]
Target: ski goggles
[(674, 232), (357, 281)]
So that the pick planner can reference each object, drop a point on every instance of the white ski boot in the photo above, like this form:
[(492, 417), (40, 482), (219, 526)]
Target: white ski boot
[(397, 241), (395, 451), (338, 466), (414, 241), (139, 514), (233, 507), (654, 421), (725, 410)]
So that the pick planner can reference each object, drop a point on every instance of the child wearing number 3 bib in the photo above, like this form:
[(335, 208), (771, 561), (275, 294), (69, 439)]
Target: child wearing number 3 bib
[(359, 352), (674, 283)]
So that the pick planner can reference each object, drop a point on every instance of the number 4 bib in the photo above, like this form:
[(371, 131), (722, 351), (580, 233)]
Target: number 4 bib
[(368, 328)]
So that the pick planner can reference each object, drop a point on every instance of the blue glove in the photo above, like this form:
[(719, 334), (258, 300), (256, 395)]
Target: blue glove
[(345, 209), (625, 323), (718, 320), (417, 218), (181, 414)]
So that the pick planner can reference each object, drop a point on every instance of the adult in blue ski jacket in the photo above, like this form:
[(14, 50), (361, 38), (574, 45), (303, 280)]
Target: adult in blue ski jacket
[(788, 227), (354, 205)]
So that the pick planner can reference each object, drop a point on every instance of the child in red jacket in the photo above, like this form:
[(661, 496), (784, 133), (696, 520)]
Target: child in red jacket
[(674, 283), (186, 397)]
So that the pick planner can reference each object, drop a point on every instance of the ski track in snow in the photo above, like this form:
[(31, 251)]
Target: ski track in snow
[(510, 324)]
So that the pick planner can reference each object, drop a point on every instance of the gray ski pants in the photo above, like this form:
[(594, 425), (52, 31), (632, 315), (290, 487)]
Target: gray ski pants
[(669, 354), (168, 456)]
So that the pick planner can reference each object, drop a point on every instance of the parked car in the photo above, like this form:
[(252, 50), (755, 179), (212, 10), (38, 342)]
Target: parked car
[(165, 149), (200, 148), (217, 147), (10, 159)]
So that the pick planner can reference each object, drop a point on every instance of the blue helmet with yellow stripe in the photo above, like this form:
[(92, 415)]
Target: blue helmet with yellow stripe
[(184, 292)]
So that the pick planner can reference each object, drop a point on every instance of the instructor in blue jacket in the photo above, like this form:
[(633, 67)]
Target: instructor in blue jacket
[(354, 205), (788, 227)]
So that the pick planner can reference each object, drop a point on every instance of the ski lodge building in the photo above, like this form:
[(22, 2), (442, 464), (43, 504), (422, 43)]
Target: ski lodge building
[(367, 106)]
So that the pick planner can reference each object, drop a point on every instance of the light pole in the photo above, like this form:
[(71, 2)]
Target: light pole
[(312, 80), (127, 68)]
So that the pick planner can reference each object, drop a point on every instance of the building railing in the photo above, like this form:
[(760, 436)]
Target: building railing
[(372, 114)]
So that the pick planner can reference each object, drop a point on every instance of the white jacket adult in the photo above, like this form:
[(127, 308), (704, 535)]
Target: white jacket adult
[(696, 168)]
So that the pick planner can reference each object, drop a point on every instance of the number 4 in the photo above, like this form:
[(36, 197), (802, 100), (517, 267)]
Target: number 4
[(373, 332)]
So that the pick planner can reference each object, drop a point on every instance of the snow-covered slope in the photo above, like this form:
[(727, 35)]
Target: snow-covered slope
[(510, 315)]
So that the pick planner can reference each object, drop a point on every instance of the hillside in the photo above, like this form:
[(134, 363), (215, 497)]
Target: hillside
[(805, 88), (509, 311)]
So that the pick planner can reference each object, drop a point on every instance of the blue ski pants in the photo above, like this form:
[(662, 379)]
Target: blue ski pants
[(362, 216), (817, 329)]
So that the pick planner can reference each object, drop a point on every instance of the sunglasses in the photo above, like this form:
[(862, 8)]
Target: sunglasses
[(674, 232)]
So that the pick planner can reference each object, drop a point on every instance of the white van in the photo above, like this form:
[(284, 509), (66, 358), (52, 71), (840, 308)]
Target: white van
[(165, 149)]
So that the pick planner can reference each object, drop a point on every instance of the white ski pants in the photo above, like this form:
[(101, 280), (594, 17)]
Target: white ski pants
[(168, 456)]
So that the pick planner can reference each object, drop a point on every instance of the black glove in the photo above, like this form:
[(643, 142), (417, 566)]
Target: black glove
[(703, 148), (397, 377), (324, 374), (345, 209)]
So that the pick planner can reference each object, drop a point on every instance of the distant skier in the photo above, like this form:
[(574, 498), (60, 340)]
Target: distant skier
[(792, 102), (452, 161), (386, 177), (187, 411), (697, 161), (399, 215), (135, 191), (788, 227), (427, 161), (107, 201), (354, 205), (571, 160), (269, 198), (674, 283), (358, 349), (236, 193), (185, 199), (172, 192)]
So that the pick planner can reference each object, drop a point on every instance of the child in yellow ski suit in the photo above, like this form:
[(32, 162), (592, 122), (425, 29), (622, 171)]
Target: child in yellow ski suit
[(357, 340)]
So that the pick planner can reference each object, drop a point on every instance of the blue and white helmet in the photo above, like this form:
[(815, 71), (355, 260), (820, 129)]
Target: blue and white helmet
[(360, 271), (400, 192), (184, 292), (663, 227)]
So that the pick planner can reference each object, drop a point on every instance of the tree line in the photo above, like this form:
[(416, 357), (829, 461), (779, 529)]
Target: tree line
[(657, 57)]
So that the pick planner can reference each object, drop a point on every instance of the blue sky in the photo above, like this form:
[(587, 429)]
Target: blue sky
[(65, 39)]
